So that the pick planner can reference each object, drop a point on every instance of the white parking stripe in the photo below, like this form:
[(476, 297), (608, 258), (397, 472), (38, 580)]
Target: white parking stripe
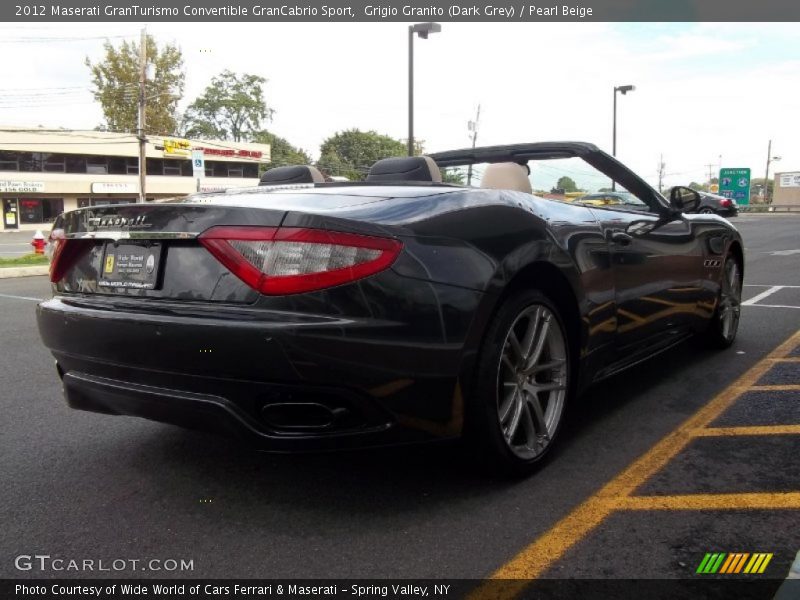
[(772, 305), (770, 285), (762, 295), (21, 298)]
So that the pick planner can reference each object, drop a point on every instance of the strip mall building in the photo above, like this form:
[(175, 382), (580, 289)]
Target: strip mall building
[(46, 172)]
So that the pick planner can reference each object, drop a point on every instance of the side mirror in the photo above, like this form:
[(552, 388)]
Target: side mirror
[(684, 199)]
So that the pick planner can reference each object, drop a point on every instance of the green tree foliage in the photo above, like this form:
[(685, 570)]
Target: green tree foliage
[(281, 151), (454, 175), (700, 187), (567, 184), (351, 153), (116, 86), (231, 108)]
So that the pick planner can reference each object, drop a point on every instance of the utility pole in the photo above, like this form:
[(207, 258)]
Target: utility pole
[(710, 172), (766, 175), (661, 168), (141, 120), (473, 126)]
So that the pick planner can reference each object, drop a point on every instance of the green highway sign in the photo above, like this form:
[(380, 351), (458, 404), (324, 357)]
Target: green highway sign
[(735, 183)]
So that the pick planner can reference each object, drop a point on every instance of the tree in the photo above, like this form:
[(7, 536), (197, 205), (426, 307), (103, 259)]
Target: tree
[(351, 153), (757, 188), (231, 108), (606, 189), (116, 86), (700, 187), (282, 153), (453, 175), (567, 184)]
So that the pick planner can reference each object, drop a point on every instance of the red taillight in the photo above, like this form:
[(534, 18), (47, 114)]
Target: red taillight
[(727, 203), (286, 260), (65, 254)]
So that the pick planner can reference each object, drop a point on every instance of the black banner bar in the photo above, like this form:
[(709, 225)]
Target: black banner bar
[(706, 587), (507, 11)]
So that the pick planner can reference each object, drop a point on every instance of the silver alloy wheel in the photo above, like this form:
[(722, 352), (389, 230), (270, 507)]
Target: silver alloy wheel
[(730, 299), (706, 211), (532, 381)]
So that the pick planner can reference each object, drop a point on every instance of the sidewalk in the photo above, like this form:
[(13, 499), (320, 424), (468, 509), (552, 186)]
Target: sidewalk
[(6, 272)]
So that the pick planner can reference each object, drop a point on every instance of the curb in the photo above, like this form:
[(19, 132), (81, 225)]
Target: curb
[(7, 272)]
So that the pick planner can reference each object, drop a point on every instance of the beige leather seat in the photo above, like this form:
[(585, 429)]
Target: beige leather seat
[(506, 176)]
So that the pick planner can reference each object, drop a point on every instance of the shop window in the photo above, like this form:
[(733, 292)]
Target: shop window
[(172, 167), (117, 165), (30, 211), (235, 171), (97, 165), (155, 166), (25, 161), (132, 166), (75, 163), (9, 161), (40, 210), (54, 163)]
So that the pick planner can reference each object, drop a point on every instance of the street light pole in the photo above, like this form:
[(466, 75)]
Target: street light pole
[(141, 119), (473, 125), (623, 89), (614, 128), (770, 159), (411, 90), (422, 30)]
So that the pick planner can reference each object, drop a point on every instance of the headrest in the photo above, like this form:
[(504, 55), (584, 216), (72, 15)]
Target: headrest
[(506, 176), (292, 174), (408, 168)]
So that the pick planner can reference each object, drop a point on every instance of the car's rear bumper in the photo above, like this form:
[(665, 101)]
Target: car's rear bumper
[(219, 415), (290, 383)]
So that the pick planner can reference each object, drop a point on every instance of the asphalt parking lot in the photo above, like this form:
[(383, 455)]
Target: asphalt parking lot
[(18, 243), (692, 453)]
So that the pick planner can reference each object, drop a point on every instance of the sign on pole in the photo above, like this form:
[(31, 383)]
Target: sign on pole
[(735, 183), (198, 164)]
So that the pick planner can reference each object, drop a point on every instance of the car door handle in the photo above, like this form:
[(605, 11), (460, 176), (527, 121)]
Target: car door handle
[(621, 238)]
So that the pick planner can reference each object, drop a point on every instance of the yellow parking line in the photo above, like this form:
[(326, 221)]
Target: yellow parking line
[(749, 430), (537, 557), (790, 359), (757, 500), (775, 388)]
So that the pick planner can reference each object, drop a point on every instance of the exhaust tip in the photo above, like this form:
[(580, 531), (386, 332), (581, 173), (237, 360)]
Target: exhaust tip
[(300, 415)]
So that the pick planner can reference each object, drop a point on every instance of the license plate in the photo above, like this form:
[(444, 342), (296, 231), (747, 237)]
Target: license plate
[(129, 265)]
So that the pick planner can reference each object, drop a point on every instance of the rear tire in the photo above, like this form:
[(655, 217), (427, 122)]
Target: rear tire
[(706, 211), (724, 324), (521, 385)]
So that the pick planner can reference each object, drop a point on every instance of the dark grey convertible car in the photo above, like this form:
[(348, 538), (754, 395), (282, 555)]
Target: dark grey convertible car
[(307, 315)]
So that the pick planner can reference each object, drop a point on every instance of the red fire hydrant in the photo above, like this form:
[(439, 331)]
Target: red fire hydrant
[(38, 242)]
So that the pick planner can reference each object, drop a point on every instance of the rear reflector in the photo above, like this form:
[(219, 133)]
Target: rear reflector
[(277, 261)]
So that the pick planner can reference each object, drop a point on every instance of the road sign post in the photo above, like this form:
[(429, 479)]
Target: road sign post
[(198, 166), (735, 184)]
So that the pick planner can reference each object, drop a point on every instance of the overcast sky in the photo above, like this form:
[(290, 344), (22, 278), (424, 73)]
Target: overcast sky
[(702, 90)]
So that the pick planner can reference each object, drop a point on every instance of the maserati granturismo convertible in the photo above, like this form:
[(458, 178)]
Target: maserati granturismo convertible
[(310, 315)]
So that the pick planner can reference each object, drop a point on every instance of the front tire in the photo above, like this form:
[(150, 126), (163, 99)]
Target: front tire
[(724, 324), (522, 384)]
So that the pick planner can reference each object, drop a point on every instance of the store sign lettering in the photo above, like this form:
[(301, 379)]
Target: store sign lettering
[(16, 187)]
